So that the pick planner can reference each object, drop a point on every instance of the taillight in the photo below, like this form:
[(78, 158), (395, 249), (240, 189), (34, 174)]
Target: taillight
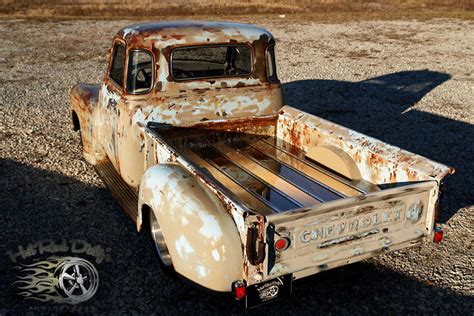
[(239, 290), (438, 234), (281, 244)]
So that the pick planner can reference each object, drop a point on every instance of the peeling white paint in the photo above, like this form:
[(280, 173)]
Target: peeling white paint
[(129, 31), (201, 270), (210, 227), (183, 247), (215, 255), (384, 242), (358, 251), (160, 40), (320, 257), (184, 221)]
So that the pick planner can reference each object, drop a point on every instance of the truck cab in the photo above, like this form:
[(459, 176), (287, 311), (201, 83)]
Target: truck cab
[(174, 72)]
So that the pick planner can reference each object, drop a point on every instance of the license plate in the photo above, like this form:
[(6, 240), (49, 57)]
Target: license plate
[(265, 292)]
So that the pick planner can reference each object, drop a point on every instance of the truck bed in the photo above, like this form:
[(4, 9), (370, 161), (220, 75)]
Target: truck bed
[(265, 173)]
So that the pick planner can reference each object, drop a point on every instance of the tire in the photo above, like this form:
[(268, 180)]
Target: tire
[(159, 246)]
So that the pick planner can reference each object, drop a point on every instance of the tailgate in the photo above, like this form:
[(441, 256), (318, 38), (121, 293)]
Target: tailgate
[(352, 229)]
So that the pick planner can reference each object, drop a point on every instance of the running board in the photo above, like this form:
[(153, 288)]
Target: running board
[(125, 195)]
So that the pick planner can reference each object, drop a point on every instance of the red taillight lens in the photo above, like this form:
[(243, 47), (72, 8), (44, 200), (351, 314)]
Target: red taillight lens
[(239, 289), (281, 244), (438, 234)]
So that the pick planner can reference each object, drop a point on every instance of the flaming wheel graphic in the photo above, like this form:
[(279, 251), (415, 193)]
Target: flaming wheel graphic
[(78, 279)]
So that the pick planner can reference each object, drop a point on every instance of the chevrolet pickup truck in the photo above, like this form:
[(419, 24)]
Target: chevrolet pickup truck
[(240, 193)]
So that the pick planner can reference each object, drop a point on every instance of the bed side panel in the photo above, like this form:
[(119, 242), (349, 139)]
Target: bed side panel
[(378, 162)]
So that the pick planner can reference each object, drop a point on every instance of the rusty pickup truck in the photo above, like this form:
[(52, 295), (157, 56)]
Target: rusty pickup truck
[(240, 193)]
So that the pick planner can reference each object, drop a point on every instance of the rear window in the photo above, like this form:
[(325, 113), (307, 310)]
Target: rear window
[(211, 61)]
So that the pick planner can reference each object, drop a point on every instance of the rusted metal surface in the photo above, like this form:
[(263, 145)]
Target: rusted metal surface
[(223, 156), (228, 204), (126, 196), (337, 232), (112, 120), (378, 162), (201, 237), (84, 99), (388, 211)]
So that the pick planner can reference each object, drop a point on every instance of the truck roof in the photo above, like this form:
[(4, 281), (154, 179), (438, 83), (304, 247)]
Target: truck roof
[(169, 33)]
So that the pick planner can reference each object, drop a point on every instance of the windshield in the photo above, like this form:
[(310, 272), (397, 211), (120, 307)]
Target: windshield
[(211, 61)]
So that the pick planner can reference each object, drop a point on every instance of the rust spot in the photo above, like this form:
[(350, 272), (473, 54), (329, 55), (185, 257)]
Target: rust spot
[(176, 36), (364, 209), (375, 159)]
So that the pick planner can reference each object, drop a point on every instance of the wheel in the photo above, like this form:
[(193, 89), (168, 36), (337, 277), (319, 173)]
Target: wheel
[(160, 248), (78, 279)]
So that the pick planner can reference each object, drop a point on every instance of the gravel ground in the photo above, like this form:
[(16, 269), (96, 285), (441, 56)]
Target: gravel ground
[(408, 83)]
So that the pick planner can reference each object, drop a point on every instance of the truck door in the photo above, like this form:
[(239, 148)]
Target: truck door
[(112, 101), (138, 90)]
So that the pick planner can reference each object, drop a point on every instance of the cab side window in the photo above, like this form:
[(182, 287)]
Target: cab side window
[(140, 72), (271, 64), (118, 61)]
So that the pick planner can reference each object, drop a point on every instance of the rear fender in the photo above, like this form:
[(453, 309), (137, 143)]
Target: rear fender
[(200, 234)]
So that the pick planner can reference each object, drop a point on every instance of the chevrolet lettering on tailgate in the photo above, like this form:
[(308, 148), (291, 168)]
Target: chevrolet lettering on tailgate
[(361, 224)]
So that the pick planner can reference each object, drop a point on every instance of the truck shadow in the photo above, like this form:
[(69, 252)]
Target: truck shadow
[(43, 206), (39, 204), (380, 107), (366, 288)]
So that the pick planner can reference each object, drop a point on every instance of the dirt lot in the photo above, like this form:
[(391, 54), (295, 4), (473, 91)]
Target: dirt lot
[(409, 83)]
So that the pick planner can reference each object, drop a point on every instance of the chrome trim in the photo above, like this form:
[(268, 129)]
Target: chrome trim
[(258, 197), (296, 185), (312, 165), (159, 241), (289, 198)]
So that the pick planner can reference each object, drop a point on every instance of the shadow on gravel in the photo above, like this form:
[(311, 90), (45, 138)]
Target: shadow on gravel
[(380, 107), (42, 206), (38, 205)]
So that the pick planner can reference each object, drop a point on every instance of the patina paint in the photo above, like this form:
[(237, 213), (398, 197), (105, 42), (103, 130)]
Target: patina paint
[(216, 232)]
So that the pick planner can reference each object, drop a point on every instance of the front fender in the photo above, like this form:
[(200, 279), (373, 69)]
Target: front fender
[(84, 101), (201, 236)]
